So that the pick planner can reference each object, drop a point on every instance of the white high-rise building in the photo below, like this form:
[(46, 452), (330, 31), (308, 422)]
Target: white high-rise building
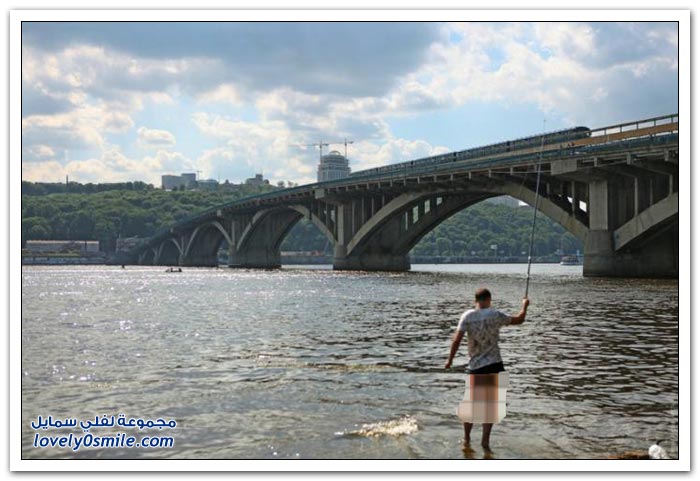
[(333, 166)]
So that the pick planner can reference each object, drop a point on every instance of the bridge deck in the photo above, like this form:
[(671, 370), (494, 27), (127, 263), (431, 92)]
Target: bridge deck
[(631, 137)]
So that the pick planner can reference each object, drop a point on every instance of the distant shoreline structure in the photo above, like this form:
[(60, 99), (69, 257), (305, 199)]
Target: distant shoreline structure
[(304, 260)]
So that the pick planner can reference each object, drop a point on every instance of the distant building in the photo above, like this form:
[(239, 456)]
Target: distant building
[(229, 185), (190, 180), (257, 180), (207, 184), (63, 246), (333, 166), (170, 182)]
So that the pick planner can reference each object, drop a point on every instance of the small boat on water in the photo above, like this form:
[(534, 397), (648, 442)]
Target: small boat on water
[(570, 261)]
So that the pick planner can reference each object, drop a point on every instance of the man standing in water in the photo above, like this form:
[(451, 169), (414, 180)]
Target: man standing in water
[(481, 325)]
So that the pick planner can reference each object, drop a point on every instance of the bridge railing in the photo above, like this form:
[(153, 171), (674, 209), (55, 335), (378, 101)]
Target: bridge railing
[(643, 125), (515, 159), (631, 142)]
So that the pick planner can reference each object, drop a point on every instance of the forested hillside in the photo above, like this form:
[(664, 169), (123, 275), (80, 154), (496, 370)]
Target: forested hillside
[(103, 211)]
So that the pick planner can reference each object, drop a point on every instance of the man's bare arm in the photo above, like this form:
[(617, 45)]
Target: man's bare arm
[(520, 318), (453, 349)]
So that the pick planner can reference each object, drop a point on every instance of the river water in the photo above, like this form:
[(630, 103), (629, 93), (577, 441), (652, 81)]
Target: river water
[(307, 362)]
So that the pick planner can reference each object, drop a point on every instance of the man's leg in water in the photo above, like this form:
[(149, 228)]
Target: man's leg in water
[(486, 435), (467, 431)]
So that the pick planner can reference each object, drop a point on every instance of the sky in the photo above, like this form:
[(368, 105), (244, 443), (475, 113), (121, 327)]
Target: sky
[(113, 102)]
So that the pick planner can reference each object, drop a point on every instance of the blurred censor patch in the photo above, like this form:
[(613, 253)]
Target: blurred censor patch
[(484, 398)]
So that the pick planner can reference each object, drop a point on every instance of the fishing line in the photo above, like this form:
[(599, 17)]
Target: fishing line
[(534, 211)]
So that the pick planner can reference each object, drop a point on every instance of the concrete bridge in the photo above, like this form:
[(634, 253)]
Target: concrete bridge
[(615, 188)]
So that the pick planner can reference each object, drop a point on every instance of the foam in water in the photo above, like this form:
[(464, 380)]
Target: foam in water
[(394, 427)]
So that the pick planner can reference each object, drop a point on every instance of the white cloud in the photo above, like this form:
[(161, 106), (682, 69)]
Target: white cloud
[(244, 148), (112, 75), (78, 93), (162, 98), (563, 68), (348, 58), (164, 162), (566, 39), (45, 171), (111, 165), (154, 138), (37, 153), (82, 128), (370, 154), (224, 93), (117, 122)]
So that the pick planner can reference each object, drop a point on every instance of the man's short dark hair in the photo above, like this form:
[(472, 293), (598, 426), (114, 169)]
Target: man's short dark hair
[(482, 294)]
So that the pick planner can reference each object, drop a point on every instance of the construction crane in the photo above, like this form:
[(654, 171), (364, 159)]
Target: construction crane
[(320, 144), (345, 143)]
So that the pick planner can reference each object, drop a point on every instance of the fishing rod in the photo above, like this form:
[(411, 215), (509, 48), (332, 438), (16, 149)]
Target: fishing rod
[(534, 213)]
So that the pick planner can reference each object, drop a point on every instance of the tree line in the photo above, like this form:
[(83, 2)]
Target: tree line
[(107, 211), (45, 188)]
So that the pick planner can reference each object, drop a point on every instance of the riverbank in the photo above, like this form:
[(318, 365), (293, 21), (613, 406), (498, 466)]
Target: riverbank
[(321, 260), (49, 260), (551, 259)]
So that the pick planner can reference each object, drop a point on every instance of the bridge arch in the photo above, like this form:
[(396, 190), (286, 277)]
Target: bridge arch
[(544, 205), (263, 218), (450, 206), (259, 243), (203, 244), (385, 240), (307, 214), (169, 253)]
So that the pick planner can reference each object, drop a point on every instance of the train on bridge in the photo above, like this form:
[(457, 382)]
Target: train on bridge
[(551, 143), (553, 140)]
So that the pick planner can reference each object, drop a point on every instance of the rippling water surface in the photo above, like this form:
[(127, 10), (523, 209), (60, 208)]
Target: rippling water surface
[(314, 363)]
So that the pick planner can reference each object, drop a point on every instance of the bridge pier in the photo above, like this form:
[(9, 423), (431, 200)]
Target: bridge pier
[(258, 246), (379, 254), (655, 258), (199, 260), (255, 257), (654, 255)]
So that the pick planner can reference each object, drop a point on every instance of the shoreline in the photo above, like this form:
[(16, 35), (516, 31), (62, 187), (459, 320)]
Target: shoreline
[(287, 262)]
